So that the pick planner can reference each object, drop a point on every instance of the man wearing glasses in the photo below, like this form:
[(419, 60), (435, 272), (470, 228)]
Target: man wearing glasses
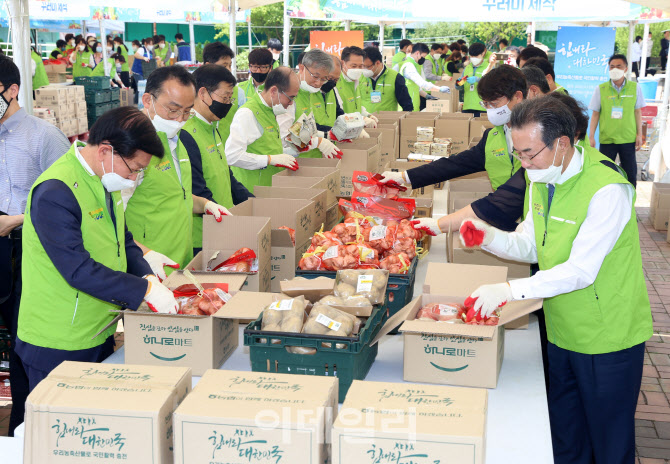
[(200, 138), (79, 258), (500, 90), (260, 64), (160, 208)]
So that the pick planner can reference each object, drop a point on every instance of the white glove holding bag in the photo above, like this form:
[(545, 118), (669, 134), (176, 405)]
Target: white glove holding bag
[(159, 298), (399, 177), (490, 297), (328, 149), (216, 210), (369, 123), (157, 262)]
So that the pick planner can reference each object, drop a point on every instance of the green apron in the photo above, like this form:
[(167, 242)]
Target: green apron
[(307, 102), (81, 58), (350, 95), (40, 78), (412, 87), (500, 166), (386, 86), (471, 97), (624, 128)]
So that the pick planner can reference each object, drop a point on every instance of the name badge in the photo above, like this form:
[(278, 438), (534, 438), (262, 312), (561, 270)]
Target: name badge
[(617, 112), (472, 87), (376, 97)]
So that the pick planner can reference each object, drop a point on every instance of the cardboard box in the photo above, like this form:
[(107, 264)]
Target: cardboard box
[(318, 196), (468, 189), (332, 163), (659, 206), (228, 236), (443, 105), (43, 113), (333, 216), (406, 146), (359, 155), (387, 144), (400, 166), (455, 126), (310, 177), (50, 96), (233, 416), (397, 115), (102, 412), (294, 213), (56, 78), (80, 109), (82, 125), (60, 112), (426, 423), (387, 124), (478, 126), (455, 354), (80, 92), (127, 97), (409, 123), (461, 255)]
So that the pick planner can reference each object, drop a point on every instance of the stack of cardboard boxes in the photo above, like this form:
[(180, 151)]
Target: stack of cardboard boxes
[(659, 208), (127, 96), (66, 105), (56, 73)]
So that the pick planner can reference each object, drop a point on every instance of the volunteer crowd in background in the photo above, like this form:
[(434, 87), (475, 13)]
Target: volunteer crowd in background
[(86, 228)]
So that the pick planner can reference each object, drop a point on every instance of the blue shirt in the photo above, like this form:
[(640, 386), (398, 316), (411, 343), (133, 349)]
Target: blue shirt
[(28, 146), (184, 50)]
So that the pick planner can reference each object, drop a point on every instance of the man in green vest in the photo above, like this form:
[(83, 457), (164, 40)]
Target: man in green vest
[(473, 73), (500, 91), (201, 139), (411, 68), (79, 259), (382, 89), (548, 70), (40, 78), (314, 71), (581, 229), (617, 106), (160, 209), (348, 86), (275, 46), (260, 64), (433, 66), (405, 48), (255, 147)]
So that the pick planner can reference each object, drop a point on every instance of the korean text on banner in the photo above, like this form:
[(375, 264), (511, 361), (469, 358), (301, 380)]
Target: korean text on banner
[(334, 41)]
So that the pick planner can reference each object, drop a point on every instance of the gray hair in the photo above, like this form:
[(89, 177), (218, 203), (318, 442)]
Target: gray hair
[(535, 76), (553, 117), (318, 59)]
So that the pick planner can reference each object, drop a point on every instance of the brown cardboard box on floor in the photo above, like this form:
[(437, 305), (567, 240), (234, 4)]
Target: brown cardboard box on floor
[(405, 421), (221, 239), (409, 123), (318, 196), (455, 354), (311, 177), (234, 416), (659, 206), (455, 126), (90, 411), (359, 155)]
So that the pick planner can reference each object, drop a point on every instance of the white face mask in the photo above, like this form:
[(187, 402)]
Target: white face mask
[(549, 175), (355, 74), (134, 48), (308, 88), (161, 45), (168, 126), (276, 55), (368, 73), (499, 116), (476, 61), (114, 182), (616, 74), (150, 47), (109, 49), (436, 56), (278, 109), (81, 47)]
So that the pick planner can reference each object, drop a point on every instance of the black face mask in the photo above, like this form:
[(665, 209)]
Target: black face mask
[(218, 109), (421, 61), (443, 56), (259, 77), (328, 86)]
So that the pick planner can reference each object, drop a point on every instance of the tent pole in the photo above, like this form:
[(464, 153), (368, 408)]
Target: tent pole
[(18, 10), (664, 107), (645, 46), (381, 35), (232, 13), (404, 30), (249, 33), (347, 24), (532, 33), (191, 33), (103, 40), (287, 39), (631, 40)]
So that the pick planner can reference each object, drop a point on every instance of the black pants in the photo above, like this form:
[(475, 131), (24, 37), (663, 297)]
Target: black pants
[(422, 103), (592, 401), (10, 291), (636, 68), (477, 113), (626, 152), (664, 61), (125, 78)]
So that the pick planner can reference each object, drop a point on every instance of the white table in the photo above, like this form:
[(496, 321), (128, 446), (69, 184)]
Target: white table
[(517, 427)]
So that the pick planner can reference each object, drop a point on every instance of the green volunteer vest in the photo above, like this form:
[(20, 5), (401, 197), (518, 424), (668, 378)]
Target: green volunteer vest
[(622, 130), (398, 58), (81, 58), (40, 78), (325, 110), (471, 98), (304, 103), (499, 166), (224, 124), (58, 52), (125, 67), (561, 89), (160, 212), (613, 313), (249, 89), (214, 167), (350, 95), (412, 87), (275, 64), (386, 85), (436, 66), (53, 314), (269, 143), (162, 52), (99, 70)]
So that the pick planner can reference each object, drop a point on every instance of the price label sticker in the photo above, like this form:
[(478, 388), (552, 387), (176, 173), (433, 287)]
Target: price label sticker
[(378, 233), (282, 305), (331, 252), (448, 310), (328, 322), (225, 297), (364, 283)]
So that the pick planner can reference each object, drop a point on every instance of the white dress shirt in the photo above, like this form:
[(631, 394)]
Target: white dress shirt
[(607, 216), (409, 72), (636, 52)]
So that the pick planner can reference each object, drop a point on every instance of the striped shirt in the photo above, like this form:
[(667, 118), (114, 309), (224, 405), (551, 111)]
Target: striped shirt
[(28, 146)]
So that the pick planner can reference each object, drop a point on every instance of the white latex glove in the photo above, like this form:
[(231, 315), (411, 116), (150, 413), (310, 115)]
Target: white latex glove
[(373, 117), (399, 177), (363, 135), (474, 232), (328, 149), (488, 298), (445, 89), (159, 298), (428, 225), (157, 262), (284, 161), (370, 123), (216, 210)]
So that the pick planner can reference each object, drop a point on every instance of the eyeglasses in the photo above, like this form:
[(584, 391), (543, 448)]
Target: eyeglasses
[(289, 98), (174, 114), (255, 68), (523, 159), (323, 80), (227, 99), (132, 171), (489, 105)]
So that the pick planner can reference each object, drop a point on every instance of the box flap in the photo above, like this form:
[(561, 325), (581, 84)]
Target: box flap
[(234, 232), (234, 281), (397, 319), (281, 238), (246, 305), (312, 289), (461, 279), (262, 191)]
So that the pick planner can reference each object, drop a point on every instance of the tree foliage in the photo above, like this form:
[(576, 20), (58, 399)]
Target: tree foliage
[(489, 33), (621, 37)]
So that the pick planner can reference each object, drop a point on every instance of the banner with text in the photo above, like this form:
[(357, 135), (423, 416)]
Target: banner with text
[(334, 41)]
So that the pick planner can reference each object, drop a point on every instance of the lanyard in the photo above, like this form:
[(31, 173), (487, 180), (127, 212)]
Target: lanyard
[(383, 82)]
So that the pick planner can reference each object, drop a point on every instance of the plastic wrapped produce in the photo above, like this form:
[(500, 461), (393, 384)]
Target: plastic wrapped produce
[(441, 312), (370, 283)]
